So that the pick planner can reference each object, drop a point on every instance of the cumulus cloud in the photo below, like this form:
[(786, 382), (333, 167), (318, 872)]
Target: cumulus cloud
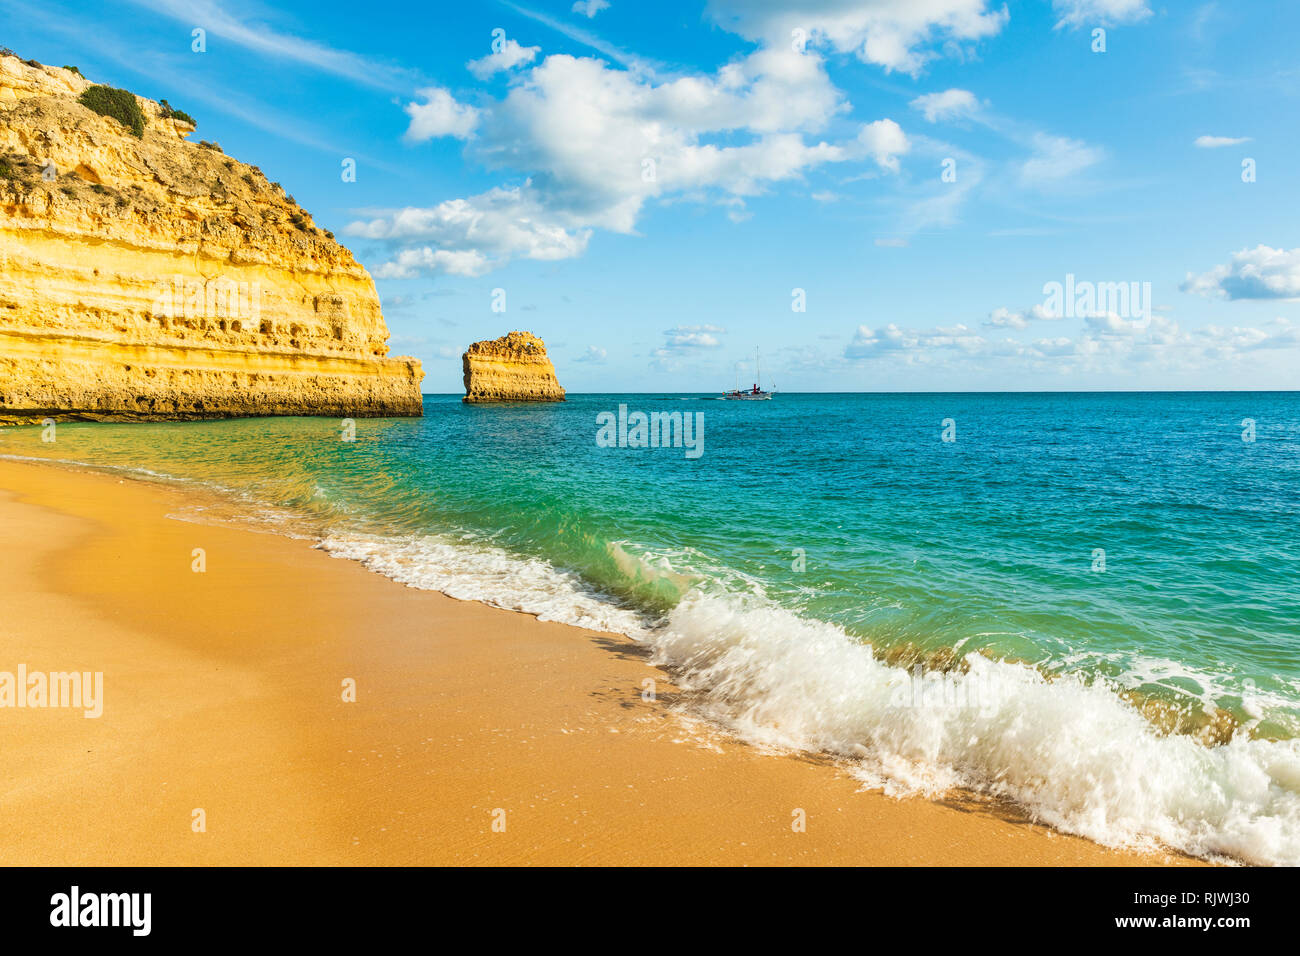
[(901, 36), (1214, 142), (503, 60), (1099, 13), (946, 105), (1106, 343), (589, 8), (470, 236), (1259, 273), (1110, 323), (594, 143), (683, 338), (870, 343), (598, 142), (439, 115), (884, 142), (1004, 318), (593, 354), (411, 262)]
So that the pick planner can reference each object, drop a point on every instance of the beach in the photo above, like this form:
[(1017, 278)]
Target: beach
[(223, 693)]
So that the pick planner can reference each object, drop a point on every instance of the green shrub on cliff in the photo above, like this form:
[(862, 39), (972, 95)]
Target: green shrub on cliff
[(119, 104), (170, 112), (73, 69)]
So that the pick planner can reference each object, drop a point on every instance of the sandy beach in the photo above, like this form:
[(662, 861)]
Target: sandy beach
[(223, 693)]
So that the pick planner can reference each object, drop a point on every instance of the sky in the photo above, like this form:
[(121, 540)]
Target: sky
[(877, 195)]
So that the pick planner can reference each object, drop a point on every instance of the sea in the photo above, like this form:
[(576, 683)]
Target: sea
[(1087, 604)]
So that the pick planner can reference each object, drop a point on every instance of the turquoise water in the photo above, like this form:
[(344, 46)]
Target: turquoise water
[(849, 515)]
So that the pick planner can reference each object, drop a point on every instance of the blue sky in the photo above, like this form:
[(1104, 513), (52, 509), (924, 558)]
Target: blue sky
[(650, 183)]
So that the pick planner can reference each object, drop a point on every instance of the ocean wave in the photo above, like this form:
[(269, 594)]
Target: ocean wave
[(473, 571), (1075, 754)]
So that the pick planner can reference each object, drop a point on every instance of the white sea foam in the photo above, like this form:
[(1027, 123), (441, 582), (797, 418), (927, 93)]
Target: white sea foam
[(473, 571), (1075, 755)]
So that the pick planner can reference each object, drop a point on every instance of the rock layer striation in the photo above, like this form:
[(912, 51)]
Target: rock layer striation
[(146, 278), (513, 368)]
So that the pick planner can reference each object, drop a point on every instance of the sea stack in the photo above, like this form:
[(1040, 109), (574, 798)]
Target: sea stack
[(513, 368), (145, 277)]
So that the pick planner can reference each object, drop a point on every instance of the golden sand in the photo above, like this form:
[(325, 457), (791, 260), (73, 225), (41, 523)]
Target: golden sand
[(223, 693)]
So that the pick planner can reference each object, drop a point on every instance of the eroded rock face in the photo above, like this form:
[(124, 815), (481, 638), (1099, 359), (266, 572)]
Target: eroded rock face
[(159, 279), (513, 368)]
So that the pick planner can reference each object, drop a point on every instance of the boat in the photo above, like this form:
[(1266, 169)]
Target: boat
[(755, 394)]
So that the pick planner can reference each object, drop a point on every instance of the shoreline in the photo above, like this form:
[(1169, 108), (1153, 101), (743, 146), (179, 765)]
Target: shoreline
[(223, 693)]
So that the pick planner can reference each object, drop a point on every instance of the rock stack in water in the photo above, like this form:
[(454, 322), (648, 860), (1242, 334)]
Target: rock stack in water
[(145, 277), (513, 368)]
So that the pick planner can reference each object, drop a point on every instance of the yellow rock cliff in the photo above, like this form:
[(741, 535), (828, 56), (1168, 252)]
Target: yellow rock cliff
[(146, 278), (513, 368)]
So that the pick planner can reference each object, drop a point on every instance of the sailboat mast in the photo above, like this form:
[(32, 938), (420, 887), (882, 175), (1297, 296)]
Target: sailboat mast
[(758, 376)]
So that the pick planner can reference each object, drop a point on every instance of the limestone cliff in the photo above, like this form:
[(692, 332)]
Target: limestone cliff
[(513, 368), (153, 278)]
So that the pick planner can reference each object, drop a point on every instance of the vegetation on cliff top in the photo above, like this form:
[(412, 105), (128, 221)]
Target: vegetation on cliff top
[(206, 166), (170, 112), (118, 104)]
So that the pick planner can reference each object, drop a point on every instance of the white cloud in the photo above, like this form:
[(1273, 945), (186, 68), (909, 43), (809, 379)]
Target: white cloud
[(892, 243), (884, 142), (684, 338), (589, 8), (1259, 273), (1109, 323), (1099, 13), (439, 115), (604, 140), (946, 105), (1106, 344), (594, 355), (597, 143), (411, 262), (870, 343), (1056, 158), (504, 60), (895, 34), (471, 236), (1214, 142), (1004, 318)]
